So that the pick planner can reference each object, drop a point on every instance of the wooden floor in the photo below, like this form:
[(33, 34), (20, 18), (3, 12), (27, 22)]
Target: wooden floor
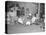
[(19, 28)]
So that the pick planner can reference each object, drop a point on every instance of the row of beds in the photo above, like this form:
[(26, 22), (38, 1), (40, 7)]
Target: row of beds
[(21, 14)]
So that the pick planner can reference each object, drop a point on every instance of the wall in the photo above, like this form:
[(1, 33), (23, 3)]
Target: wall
[(32, 7)]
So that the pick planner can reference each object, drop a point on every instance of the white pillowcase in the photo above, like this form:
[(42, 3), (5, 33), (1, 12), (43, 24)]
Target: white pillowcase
[(20, 20), (33, 19), (28, 23)]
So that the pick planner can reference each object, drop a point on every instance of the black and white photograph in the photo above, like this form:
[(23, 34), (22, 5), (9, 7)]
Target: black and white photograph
[(24, 17)]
